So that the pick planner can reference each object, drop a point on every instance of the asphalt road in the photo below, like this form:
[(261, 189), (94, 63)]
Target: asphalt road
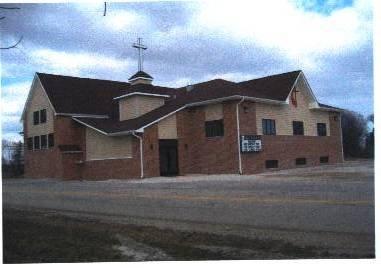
[(335, 202)]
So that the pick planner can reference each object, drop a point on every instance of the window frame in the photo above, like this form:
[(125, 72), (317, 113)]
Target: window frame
[(298, 131), (272, 161), (324, 157), (43, 112), (45, 138), (50, 138), (300, 161), (268, 124), (319, 129), (214, 128), (36, 118), (35, 147)]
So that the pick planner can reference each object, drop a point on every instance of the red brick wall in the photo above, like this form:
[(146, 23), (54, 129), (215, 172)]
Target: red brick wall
[(151, 152), (42, 164), (67, 131), (197, 153), (206, 155), (286, 149)]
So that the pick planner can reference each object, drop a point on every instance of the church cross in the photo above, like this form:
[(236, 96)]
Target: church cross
[(293, 97), (139, 45)]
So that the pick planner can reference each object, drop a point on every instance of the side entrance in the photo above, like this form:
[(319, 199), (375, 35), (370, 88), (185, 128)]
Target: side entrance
[(168, 157)]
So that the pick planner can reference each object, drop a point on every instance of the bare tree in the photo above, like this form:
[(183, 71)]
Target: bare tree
[(12, 158)]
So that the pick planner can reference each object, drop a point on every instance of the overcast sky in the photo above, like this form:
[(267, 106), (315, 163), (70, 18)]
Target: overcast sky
[(189, 42)]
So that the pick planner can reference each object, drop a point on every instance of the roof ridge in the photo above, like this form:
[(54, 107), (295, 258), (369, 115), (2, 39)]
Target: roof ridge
[(269, 76), (82, 78), (205, 82)]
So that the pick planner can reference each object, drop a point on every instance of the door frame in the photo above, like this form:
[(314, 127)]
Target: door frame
[(173, 144)]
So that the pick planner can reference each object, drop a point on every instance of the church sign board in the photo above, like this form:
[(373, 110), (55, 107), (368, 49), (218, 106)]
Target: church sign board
[(251, 143)]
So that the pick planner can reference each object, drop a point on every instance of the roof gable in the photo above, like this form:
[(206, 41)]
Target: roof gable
[(274, 87), (36, 84), (301, 83)]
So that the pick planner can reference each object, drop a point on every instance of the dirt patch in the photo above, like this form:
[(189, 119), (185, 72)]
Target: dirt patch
[(37, 237)]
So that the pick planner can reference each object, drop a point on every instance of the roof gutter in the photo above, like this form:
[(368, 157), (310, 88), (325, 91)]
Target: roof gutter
[(141, 94), (200, 103), (83, 115), (326, 109), (141, 154), (235, 97)]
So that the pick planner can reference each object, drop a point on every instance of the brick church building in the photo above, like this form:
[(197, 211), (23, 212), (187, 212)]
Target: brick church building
[(80, 128)]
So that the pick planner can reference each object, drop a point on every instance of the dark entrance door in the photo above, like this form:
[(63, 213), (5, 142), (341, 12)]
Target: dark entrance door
[(168, 158)]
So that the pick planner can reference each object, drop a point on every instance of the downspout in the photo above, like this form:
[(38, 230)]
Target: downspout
[(238, 138), (141, 154), (341, 140)]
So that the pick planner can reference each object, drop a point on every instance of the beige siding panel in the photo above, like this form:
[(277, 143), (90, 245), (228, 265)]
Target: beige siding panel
[(168, 128), (135, 106), (213, 112), (99, 146), (38, 101), (285, 114)]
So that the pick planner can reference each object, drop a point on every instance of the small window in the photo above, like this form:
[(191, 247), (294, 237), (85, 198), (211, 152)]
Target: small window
[(214, 128), (298, 127), (36, 117), (324, 159), (271, 163), (43, 116), (268, 127), (36, 140), (321, 129), (51, 140), (300, 161), (29, 143), (44, 142)]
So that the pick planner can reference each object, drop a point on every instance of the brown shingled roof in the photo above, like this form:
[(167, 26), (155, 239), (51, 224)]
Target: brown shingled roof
[(94, 96), (76, 95), (274, 87)]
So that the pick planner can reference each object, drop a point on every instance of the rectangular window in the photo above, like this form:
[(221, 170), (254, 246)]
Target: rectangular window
[(324, 159), (321, 129), (44, 142), (268, 127), (298, 127), (51, 140), (36, 117), (30, 143), (43, 116), (214, 128), (271, 163), (36, 140), (300, 161)]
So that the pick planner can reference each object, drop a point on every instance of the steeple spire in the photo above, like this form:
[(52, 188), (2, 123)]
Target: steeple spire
[(140, 77), (139, 45)]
